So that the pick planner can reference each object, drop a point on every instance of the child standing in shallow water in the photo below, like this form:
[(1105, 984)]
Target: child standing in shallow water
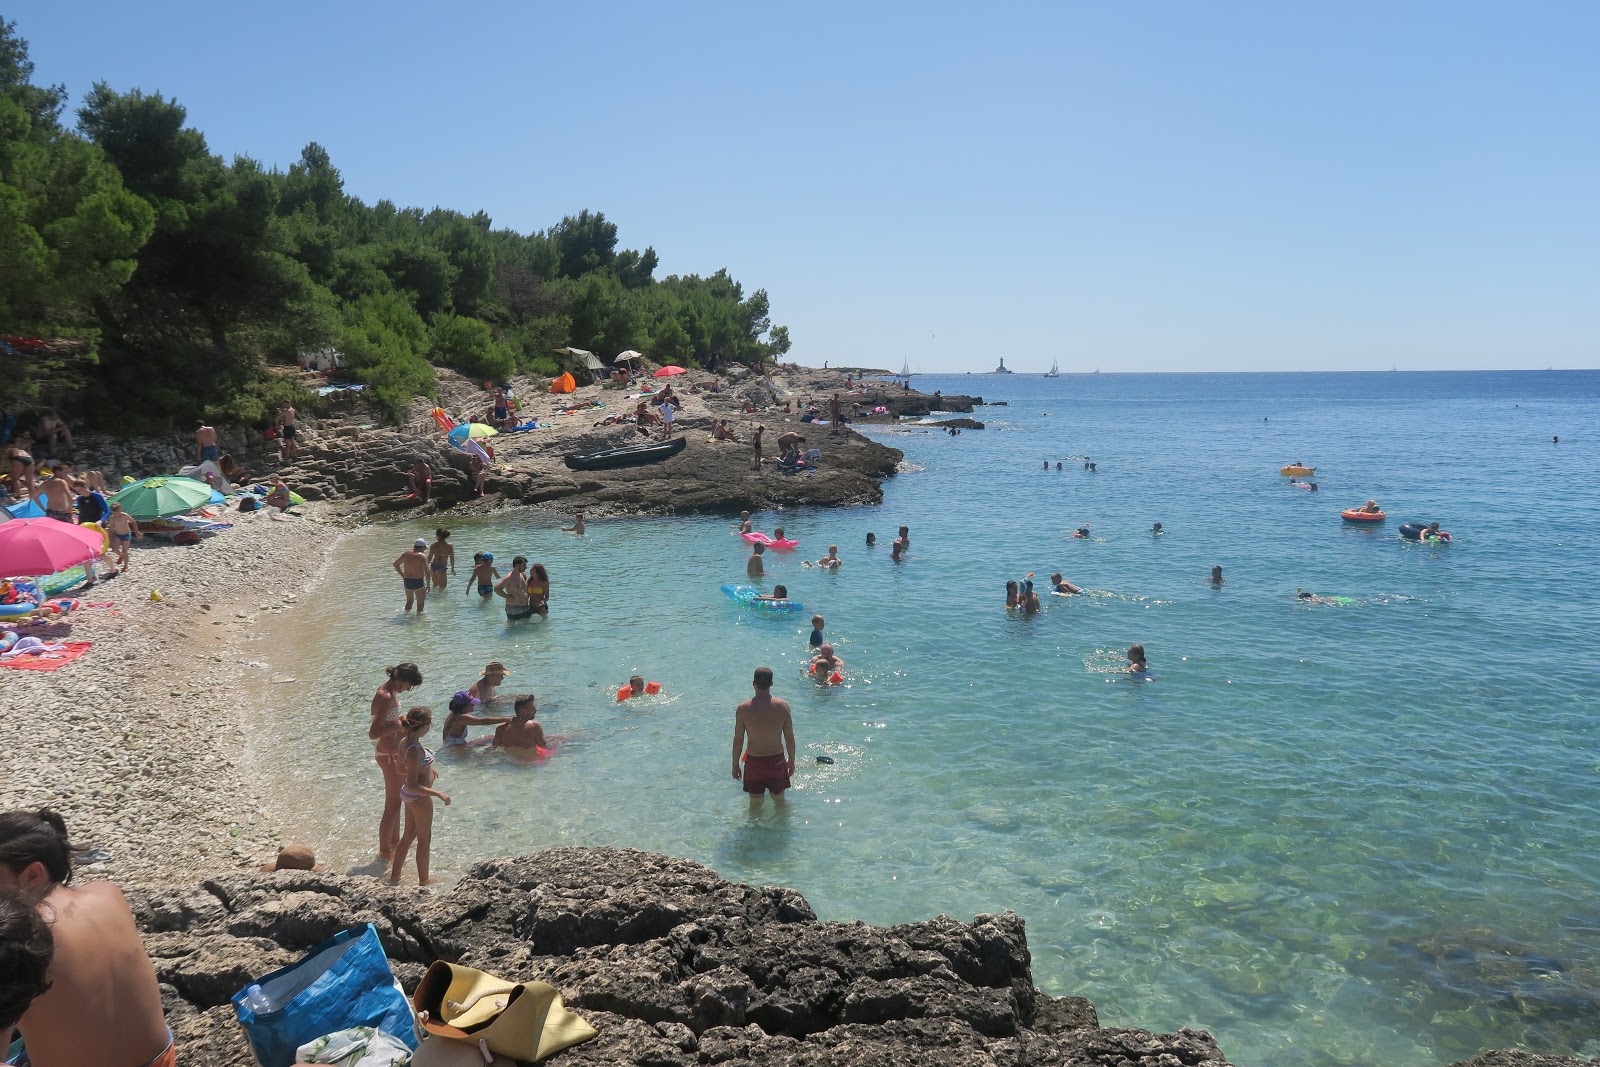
[(417, 794), (484, 574)]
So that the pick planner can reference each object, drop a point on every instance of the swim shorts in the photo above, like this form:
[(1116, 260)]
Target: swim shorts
[(485, 590), (59, 516), (123, 537), (290, 433), (416, 583), (438, 566), (210, 452), (518, 611), (766, 772)]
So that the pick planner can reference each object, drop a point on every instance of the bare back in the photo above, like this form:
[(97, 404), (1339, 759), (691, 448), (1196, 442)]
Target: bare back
[(413, 564), (103, 1006), (765, 723)]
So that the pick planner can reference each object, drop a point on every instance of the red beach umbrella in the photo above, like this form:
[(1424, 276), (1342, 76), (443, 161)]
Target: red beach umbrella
[(668, 371), (31, 547)]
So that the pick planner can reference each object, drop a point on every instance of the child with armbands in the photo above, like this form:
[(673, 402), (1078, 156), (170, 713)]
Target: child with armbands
[(826, 666), (637, 687)]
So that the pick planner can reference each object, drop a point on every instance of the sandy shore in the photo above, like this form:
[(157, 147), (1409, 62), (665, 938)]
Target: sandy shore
[(139, 743)]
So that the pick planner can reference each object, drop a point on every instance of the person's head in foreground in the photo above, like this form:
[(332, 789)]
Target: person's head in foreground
[(34, 853), (762, 679), (525, 708), (1136, 660), (26, 947)]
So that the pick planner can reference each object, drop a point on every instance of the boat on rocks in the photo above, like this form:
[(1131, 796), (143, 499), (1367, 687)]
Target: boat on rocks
[(627, 456)]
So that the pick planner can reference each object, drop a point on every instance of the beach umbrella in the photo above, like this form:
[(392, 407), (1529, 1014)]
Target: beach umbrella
[(473, 429), (163, 497), (668, 371), (627, 357), (44, 546)]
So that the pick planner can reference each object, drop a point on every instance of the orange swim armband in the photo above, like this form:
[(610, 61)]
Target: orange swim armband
[(650, 689)]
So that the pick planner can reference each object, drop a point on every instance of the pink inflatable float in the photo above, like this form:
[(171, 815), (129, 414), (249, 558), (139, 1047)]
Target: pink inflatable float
[(758, 538)]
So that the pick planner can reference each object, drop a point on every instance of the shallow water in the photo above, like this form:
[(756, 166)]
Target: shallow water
[(1332, 834)]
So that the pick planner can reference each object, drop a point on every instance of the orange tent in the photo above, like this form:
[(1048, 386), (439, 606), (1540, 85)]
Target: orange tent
[(564, 384)]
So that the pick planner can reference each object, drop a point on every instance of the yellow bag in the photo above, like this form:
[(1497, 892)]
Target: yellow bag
[(522, 1020)]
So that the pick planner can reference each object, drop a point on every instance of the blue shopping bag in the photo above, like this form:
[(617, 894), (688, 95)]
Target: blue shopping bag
[(341, 983)]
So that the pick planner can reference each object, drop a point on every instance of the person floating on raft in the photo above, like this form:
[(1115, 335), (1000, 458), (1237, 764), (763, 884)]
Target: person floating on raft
[(637, 687), (1082, 531), (1416, 531), (825, 666)]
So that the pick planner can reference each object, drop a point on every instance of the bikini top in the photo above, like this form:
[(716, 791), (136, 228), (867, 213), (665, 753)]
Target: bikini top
[(427, 753)]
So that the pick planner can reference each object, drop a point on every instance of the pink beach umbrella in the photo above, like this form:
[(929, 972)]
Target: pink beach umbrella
[(669, 371), (31, 547)]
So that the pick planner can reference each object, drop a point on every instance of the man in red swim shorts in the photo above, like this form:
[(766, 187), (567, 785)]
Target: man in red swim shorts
[(767, 761)]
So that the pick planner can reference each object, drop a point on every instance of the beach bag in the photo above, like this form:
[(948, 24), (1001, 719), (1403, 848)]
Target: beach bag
[(463, 1006), (343, 982), (359, 1046)]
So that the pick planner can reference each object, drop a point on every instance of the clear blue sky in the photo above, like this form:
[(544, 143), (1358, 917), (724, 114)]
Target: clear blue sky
[(1129, 186)]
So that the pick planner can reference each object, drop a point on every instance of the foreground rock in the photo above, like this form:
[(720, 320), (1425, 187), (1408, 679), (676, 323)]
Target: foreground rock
[(673, 966)]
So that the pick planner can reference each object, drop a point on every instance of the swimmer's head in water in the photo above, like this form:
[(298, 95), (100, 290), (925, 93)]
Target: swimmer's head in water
[(758, 548), (1011, 587), (1136, 654), (488, 557), (463, 700), (781, 592), (1156, 528), (1303, 595), (777, 533), (826, 651), (636, 683), (816, 622), (442, 534), (495, 670), (525, 707), (872, 538)]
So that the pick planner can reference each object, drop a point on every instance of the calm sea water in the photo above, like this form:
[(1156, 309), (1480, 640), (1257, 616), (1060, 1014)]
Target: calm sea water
[(1338, 834)]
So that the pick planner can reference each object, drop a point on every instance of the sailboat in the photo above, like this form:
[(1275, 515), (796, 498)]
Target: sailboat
[(1055, 369), (905, 369)]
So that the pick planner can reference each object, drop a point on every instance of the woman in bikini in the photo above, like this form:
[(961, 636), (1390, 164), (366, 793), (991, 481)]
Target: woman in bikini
[(417, 793), (385, 730), (19, 466), (513, 588), (539, 590)]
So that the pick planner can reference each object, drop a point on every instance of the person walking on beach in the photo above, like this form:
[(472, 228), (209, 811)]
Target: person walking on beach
[(669, 411), (103, 1005), (763, 741), (441, 555), (412, 567), (513, 589), (753, 565), (417, 794), (385, 731), (835, 413), (123, 529), (755, 443), (205, 442)]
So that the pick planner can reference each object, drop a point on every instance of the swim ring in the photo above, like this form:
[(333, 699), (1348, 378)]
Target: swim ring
[(1357, 515), (748, 594), (1295, 470), (14, 611), (759, 538)]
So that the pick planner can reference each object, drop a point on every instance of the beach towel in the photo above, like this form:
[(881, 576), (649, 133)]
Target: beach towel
[(43, 657)]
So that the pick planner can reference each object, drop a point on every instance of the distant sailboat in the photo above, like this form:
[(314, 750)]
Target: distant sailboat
[(905, 369), (1002, 368), (1055, 369)]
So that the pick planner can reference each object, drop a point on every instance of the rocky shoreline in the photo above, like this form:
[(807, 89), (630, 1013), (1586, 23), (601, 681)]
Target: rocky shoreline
[(144, 745)]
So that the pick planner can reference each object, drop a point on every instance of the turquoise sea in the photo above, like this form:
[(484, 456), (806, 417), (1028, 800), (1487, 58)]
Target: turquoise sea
[(1358, 833)]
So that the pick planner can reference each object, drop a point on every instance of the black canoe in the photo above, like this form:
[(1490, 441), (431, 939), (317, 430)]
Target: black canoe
[(629, 456)]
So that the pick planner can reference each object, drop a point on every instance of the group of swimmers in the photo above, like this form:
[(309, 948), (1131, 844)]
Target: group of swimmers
[(525, 589), (410, 775)]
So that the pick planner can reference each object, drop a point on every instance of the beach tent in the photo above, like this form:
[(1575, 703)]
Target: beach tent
[(564, 384), (25, 509)]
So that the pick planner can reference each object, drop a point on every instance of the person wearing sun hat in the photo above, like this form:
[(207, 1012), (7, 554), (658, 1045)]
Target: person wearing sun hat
[(461, 717), (493, 675)]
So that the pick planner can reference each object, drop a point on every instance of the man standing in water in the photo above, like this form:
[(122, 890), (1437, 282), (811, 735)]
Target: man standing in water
[(763, 741), (753, 566), (103, 1005), (412, 567)]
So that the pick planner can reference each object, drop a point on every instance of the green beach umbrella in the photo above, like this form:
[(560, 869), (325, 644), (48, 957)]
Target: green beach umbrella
[(160, 498)]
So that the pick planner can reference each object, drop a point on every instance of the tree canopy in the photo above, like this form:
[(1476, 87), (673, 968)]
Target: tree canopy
[(183, 276)]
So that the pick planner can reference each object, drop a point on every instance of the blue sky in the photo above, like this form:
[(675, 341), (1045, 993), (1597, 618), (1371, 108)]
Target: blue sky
[(1128, 186)]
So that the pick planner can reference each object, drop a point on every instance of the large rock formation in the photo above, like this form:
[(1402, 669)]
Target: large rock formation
[(674, 966)]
